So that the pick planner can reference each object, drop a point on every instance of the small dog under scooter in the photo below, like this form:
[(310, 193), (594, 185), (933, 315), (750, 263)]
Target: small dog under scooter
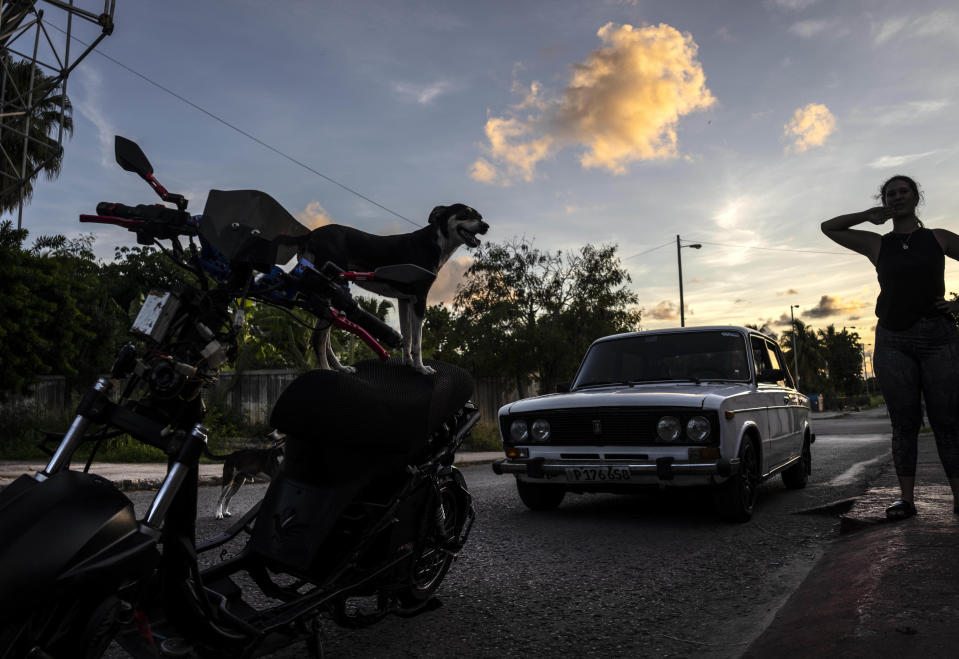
[(247, 464)]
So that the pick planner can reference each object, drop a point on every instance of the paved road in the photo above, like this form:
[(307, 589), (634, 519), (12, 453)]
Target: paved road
[(655, 575)]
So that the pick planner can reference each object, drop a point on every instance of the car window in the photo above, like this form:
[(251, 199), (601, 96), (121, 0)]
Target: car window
[(776, 357), (712, 355), (768, 357), (760, 354)]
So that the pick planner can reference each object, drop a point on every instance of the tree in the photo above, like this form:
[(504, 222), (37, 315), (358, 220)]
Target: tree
[(812, 366), (842, 354), (38, 118), (528, 313), (55, 316)]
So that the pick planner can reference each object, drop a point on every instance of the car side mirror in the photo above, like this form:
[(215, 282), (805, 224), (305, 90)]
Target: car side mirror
[(562, 387), (772, 375)]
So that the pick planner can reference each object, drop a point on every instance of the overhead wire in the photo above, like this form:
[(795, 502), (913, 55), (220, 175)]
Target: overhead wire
[(241, 131)]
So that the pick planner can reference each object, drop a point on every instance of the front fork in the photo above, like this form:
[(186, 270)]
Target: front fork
[(185, 453), (74, 436)]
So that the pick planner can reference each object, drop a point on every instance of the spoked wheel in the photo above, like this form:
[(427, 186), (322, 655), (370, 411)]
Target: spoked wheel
[(736, 498), (435, 555)]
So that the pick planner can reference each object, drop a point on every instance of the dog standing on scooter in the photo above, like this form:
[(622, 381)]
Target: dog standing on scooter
[(429, 247)]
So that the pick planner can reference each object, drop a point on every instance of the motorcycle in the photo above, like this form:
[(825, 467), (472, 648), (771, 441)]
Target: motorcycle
[(363, 521)]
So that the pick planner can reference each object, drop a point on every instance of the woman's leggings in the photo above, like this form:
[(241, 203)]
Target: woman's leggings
[(923, 359)]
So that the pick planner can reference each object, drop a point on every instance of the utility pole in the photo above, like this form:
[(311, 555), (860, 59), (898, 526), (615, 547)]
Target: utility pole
[(679, 260), (795, 343)]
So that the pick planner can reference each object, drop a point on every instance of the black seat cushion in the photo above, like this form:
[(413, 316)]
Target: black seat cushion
[(384, 405)]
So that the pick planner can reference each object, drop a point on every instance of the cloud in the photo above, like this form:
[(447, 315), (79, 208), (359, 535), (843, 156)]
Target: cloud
[(833, 306), (449, 277), (622, 104), (907, 113), (810, 126), (942, 22), (89, 107), (314, 215), (790, 291), (792, 5), (664, 310), (422, 94), (809, 28), (890, 162)]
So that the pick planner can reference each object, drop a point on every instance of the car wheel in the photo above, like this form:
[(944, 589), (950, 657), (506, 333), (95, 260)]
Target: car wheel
[(796, 477), (736, 497), (540, 497)]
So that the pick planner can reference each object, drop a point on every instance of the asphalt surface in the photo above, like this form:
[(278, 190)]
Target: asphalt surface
[(882, 589)]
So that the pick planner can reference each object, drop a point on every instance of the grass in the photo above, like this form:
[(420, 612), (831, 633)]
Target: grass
[(26, 427), (485, 437)]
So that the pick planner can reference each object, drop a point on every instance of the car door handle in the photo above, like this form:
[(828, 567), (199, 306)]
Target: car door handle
[(787, 399)]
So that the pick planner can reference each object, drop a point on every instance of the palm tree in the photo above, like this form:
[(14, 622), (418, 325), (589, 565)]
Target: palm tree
[(33, 115), (809, 357)]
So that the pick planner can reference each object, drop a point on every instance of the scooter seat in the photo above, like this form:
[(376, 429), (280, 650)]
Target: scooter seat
[(384, 405)]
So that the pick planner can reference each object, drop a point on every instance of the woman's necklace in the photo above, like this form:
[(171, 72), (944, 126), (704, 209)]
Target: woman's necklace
[(905, 241)]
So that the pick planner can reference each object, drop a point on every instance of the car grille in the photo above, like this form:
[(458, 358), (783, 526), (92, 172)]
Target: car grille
[(622, 426)]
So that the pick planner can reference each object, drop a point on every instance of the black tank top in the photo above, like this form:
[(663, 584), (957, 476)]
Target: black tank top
[(911, 279)]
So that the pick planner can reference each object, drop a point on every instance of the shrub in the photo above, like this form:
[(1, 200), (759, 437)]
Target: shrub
[(485, 437)]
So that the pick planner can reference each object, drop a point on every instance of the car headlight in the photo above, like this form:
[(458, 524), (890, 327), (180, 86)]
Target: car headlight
[(669, 428), (540, 430), (518, 430), (697, 428)]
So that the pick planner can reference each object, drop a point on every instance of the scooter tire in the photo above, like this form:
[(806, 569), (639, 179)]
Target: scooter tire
[(433, 559)]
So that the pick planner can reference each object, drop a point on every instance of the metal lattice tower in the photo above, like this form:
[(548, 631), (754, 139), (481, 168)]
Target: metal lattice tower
[(35, 62)]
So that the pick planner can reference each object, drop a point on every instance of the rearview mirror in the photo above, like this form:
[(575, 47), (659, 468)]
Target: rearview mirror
[(772, 375), (404, 274), (130, 157)]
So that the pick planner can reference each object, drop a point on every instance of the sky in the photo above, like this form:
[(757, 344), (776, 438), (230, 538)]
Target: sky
[(739, 125)]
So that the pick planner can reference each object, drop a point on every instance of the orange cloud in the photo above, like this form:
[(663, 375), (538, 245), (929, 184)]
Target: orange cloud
[(623, 104), (664, 310), (314, 215), (833, 306), (449, 277), (810, 126)]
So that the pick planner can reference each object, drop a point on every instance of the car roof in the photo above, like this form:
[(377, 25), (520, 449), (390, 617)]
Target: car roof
[(746, 331)]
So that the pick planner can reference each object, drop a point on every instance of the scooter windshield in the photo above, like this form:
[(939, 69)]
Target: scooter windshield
[(249, 225)]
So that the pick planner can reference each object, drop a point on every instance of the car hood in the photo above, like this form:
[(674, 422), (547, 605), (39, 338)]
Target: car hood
[(705, 396)]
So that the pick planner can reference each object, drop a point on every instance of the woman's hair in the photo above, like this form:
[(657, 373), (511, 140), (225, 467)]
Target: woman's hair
[(881, 197)]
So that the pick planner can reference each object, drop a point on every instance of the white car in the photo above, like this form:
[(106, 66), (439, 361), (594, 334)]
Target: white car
[(697, 406)]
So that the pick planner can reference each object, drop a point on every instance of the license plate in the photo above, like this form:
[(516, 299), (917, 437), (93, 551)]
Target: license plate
[(597, 474)]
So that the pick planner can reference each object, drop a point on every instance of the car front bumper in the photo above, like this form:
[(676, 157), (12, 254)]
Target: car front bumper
[(662, 469)]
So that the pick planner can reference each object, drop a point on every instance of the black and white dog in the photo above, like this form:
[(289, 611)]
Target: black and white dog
[(246, 464), (429, 247)]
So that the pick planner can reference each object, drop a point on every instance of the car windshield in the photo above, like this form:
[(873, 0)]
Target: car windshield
[(681, 356)]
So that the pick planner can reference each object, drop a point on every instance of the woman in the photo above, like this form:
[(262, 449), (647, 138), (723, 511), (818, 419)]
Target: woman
[(917, 344)]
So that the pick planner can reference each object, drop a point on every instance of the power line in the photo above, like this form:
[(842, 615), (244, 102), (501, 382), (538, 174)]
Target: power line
[(652, 249), (243, 132), (775, 249)]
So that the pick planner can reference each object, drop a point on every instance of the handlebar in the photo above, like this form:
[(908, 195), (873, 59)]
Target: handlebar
[(151, 220)]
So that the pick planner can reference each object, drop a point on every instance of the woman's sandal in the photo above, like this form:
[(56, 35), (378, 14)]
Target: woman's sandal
[(901, 510)]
